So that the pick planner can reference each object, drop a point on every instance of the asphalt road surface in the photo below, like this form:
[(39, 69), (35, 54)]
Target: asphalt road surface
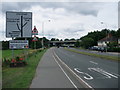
[(96, 72), (60, 68), (51, 74)]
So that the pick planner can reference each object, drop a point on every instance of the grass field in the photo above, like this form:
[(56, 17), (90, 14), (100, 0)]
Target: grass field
[(20, 77), (8, 53)]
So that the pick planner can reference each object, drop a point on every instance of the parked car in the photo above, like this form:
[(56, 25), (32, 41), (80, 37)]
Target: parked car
[(102, 49)]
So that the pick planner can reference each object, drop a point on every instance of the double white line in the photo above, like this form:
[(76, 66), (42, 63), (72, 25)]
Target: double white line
[(86, 85)]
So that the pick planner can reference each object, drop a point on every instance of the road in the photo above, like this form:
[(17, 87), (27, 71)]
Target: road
[(51, 74), (96, 72), (60, 68)]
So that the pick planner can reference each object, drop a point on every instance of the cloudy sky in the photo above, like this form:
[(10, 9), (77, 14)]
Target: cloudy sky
[(67, 19)]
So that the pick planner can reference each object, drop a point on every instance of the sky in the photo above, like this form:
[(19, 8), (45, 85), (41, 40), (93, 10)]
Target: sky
[(68, 19)]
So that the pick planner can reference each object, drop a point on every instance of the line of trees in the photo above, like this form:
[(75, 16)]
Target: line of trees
[(92, 38), (86, 41)]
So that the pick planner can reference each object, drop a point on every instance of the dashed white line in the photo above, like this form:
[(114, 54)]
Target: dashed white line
[(93, 62)]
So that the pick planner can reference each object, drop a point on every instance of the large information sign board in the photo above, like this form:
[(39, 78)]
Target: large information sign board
[(18, 24), (18, 44)]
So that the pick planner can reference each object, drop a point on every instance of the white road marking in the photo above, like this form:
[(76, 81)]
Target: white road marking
[(116, 74), (93, 62), (88, 78), (88, 86), (108, 75), (66, 74)]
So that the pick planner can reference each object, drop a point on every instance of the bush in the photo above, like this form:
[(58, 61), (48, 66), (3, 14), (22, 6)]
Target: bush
[(114, 49), (18, 62), (5, 62)]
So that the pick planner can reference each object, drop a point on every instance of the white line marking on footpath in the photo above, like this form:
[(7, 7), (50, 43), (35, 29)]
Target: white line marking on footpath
[(116, 74), (65, 73), (74, 73), (93, 62)]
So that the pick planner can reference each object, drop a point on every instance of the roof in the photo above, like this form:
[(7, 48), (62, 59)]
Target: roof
[(109, 37)]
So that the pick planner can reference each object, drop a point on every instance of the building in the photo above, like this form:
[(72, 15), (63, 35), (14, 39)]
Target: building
[(119, 41), (104, 41)]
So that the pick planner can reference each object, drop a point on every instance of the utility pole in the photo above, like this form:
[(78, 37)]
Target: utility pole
[(43, 33)]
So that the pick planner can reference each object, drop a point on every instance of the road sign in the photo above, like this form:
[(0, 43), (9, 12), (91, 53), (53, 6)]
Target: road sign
[(35, 39), (18, 24), (34, 31), (18, 44)]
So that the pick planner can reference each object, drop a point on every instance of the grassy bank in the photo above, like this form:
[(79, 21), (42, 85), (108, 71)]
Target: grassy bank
[(95, 55), (21, 77), (8, 53)]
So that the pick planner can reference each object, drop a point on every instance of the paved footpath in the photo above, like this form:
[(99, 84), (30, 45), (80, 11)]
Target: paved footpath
[(49, 74)]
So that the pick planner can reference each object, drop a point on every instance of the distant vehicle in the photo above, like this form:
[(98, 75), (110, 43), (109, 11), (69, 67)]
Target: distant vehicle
[(102, 49), (94, 48)]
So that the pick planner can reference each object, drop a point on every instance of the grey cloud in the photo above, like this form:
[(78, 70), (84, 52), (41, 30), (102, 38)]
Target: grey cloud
[(90, 8), (73, 30)]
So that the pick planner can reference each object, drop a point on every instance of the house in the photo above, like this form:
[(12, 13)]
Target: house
[(104, 41), (119, 41)]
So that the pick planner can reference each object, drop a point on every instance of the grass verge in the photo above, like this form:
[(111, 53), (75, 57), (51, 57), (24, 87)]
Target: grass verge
[(8, 53), (95, 55), (21, 77)]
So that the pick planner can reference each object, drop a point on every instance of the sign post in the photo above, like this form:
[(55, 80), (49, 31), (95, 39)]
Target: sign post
[(35, 32), (18, 24)]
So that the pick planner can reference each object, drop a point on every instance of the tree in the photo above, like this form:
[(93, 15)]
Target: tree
[(57, 39), (61, 40), (53, 39), (77, 44), (72, 39), (87, 42), (118, 33), (66, 39), (5, 45)]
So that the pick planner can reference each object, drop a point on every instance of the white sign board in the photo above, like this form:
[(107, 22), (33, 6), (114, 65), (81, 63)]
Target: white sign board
[(18, 44), (18, 24)]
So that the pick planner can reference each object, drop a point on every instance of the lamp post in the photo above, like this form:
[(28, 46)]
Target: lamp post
[(43, 33), (106, 34)]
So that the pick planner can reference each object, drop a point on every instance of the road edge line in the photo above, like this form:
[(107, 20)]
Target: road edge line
[(65, 73), (79, 79)]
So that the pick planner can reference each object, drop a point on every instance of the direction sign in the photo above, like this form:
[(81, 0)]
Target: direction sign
[(18, 44), (18, 24)]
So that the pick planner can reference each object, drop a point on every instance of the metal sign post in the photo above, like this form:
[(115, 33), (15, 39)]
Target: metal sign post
[(26, 51), (12, 50)]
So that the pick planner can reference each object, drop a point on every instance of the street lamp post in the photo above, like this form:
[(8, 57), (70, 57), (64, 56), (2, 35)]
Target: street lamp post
[(106, 34), (43, 33)]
